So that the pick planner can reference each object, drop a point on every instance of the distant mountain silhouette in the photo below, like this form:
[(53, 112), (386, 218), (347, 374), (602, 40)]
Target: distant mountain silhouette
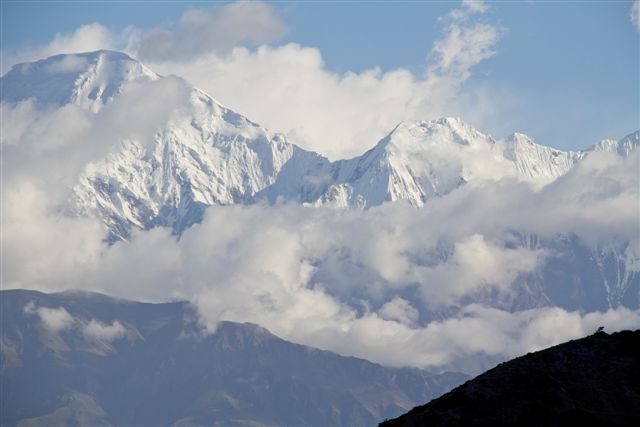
[(90, 360), (593, 381)]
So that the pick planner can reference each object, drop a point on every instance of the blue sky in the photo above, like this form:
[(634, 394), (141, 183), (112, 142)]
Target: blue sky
[(570, 70)]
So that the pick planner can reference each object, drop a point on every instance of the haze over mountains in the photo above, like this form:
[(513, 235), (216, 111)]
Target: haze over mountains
[(482, 230)]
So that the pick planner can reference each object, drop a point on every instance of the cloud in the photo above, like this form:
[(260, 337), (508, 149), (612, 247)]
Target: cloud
[(634, 14), (39, 145), (464, 45), (400, 310), (58, 319), (54, 319), (475, 5), (475, 264), (85, 38), (201, 32), (98, 331), (41, 159), (477, 331), (68, 64), (289, 89)]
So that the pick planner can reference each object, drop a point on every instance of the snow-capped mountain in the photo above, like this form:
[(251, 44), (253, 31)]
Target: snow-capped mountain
[(421, 160), (88, 80), (206, 154), (623, 147)]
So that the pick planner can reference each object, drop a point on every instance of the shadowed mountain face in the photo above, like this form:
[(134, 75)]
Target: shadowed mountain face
[(590, 381), (88, 359)]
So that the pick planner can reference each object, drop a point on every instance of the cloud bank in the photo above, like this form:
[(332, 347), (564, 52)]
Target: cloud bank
[(356, 282)]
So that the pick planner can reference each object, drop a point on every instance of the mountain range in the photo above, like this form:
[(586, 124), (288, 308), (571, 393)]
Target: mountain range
[(77, 358), (206, 154)]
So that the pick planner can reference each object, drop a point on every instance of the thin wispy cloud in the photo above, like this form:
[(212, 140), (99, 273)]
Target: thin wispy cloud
[(219, 30), (465, 43), (634, 14)]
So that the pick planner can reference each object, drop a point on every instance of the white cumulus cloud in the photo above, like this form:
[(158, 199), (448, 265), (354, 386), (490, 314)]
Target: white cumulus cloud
[(98, 331), (54, 319)]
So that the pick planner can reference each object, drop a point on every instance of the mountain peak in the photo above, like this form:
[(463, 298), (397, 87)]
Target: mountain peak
[(622, 147), (519, 138), (421, 135), (89, 79)]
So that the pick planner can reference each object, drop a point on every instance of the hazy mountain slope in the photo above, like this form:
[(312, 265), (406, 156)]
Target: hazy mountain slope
[(79, 358), (593, 381)]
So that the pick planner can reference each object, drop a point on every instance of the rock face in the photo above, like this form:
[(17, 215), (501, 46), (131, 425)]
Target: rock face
[(593, 381), (88, 359)]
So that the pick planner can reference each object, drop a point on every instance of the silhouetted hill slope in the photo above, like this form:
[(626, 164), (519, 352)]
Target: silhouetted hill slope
[(91, 360), (593, 381)]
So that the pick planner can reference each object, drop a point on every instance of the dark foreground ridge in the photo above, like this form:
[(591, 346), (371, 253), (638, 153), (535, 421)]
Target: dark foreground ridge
[(593, 381), (90, 360)]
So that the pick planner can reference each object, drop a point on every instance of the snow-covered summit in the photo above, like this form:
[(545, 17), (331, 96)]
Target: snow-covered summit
[(203, 154), (419, 160), (88, 80), (623, 147), (537, 162)]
